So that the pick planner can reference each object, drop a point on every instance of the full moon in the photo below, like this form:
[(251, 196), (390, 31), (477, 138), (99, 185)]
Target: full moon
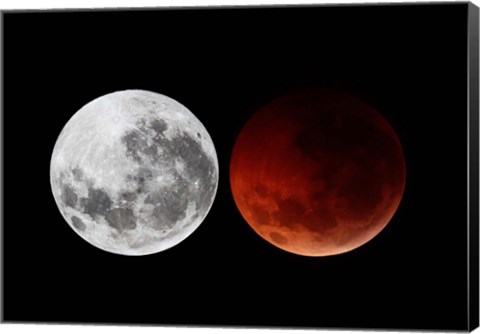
[(134, 172), (317, 173)]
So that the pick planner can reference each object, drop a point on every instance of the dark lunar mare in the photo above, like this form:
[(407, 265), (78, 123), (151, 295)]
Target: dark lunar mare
[(69, 197), (121, 219), (78, 223), (96, 203)]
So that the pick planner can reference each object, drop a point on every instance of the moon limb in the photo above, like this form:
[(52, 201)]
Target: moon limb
[(118, 151)]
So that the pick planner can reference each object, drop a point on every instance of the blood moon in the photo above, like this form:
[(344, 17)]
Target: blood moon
[(317, 173)]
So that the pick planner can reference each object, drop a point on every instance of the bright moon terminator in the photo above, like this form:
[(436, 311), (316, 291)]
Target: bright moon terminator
[(317, 173), (134, 172)]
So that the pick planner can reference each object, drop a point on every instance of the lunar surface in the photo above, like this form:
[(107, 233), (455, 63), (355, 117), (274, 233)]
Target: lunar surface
[(317, 173), (134, 172)]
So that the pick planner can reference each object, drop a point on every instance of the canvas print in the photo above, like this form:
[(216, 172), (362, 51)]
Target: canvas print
[(267, 166)]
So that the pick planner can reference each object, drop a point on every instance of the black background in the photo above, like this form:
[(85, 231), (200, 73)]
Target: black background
[(410, 62)]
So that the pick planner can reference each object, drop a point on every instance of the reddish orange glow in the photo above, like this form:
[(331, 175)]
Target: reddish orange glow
[(317, 173)]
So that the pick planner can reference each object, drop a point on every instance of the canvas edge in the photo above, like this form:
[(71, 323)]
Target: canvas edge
[(2, 243), (473, 167), (239, 5)]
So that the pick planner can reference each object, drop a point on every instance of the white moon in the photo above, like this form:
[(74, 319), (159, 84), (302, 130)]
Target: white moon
[(134, 172)]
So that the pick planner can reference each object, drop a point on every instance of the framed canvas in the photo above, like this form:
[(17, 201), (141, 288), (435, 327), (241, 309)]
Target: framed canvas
[(309, 166)]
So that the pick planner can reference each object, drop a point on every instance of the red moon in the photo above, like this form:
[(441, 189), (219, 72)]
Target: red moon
[(317, 173)]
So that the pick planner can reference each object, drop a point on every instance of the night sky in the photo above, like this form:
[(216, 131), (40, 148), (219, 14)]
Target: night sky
[(409, 62)]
